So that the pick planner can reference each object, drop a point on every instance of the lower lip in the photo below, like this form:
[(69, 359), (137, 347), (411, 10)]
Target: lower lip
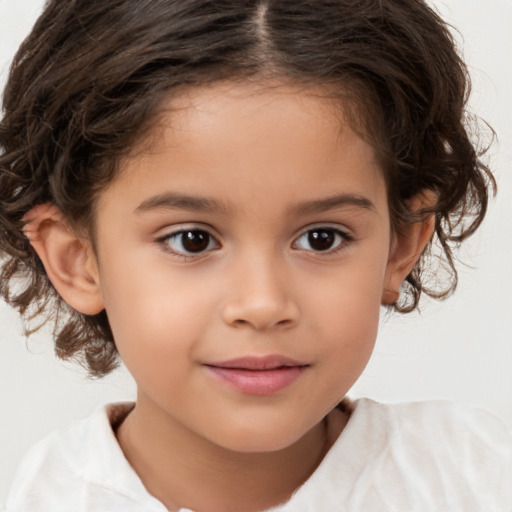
[(258, 382)]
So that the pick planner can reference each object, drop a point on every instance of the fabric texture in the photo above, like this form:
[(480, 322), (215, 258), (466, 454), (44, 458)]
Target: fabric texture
[(414, 457)]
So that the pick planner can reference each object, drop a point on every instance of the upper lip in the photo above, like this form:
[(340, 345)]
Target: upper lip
[(270, 362)]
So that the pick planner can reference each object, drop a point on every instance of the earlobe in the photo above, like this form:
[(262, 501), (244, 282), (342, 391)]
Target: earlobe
[(407, 249), (69, 260)]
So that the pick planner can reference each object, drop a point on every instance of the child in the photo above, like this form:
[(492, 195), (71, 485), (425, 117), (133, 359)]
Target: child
[(223, 194)]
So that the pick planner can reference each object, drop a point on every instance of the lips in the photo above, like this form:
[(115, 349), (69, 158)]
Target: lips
[(261, 376)]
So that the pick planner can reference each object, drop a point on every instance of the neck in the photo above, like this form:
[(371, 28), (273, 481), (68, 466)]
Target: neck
[(171, 460)]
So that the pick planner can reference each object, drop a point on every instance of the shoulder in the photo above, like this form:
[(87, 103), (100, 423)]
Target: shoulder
[(415, 457), (459, 453), (54, 463), (84, 460), (440, 423)]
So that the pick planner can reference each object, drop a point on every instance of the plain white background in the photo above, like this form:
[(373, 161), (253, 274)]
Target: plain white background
[(460, 349)]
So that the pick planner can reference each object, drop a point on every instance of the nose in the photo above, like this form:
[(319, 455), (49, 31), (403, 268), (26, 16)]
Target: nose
[(260, 297)]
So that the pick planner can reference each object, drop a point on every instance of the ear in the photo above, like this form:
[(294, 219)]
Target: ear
[(69, 260), (407, 247)]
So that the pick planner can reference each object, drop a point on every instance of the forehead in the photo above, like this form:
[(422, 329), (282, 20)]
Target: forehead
[(232, 109), (259, 140)]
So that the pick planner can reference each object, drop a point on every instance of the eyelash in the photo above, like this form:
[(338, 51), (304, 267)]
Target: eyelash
[(342, 238), (336, 235), (164, 241)]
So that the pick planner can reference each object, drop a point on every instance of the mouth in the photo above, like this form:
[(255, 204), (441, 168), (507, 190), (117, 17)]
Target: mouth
[(255, 363), (260, 376)]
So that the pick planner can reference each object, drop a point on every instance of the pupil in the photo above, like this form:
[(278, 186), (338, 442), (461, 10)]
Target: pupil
[(195, 241), (321, 239)]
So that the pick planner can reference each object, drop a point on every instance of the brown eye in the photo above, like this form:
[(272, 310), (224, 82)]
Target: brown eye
[(191, 241), (321, 240), (195, 241)]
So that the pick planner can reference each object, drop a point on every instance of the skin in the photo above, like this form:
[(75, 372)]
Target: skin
[(275, 165)]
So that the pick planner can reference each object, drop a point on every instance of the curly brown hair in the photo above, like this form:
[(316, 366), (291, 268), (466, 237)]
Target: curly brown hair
[(89, 79)]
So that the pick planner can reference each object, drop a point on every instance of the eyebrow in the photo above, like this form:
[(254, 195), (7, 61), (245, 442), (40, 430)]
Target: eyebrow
[(172, 201), (332, 202)]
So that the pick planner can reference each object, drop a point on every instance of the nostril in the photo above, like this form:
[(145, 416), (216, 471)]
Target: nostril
[(261, 311), (263, 322)]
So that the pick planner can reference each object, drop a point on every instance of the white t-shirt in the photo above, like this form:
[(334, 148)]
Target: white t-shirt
[(416, 457)]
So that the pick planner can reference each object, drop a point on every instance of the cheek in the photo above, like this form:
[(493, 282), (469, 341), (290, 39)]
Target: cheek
[(349, 331), (345, 315), (155, 312), (350, 298)]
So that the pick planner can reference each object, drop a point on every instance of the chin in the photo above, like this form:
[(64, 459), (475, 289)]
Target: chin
[(259, 440)]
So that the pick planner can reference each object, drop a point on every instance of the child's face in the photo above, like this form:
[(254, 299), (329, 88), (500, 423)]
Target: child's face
[(254, 227)]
